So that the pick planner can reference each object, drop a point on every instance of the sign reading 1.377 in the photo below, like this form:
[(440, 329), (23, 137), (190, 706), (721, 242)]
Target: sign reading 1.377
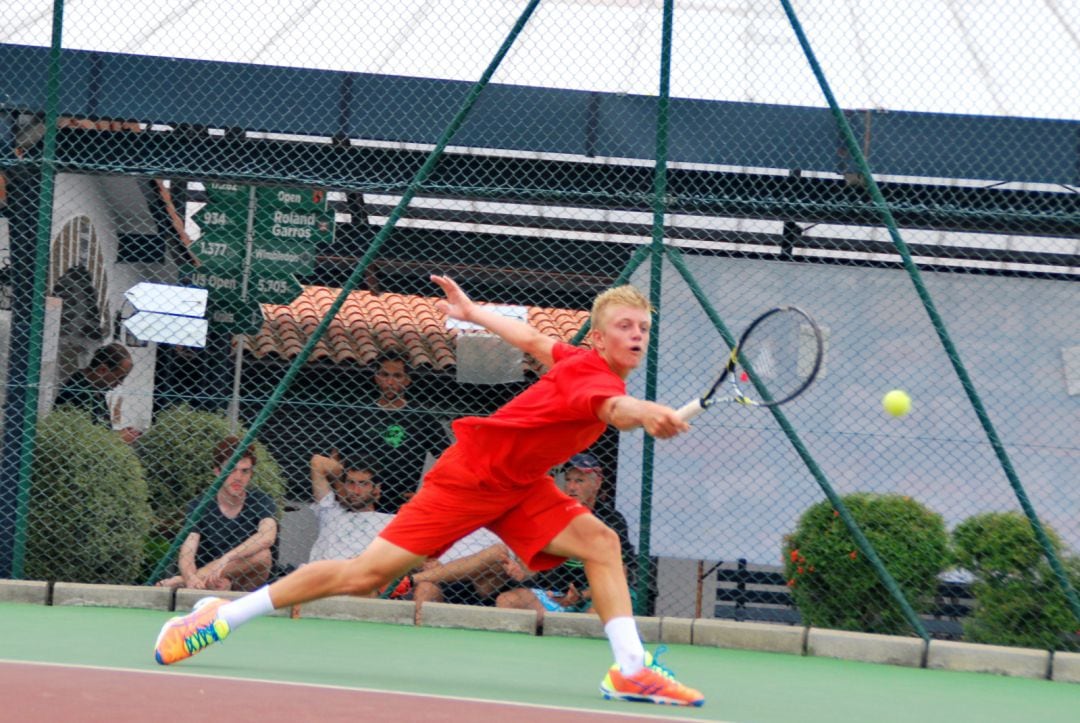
[(254, 242)]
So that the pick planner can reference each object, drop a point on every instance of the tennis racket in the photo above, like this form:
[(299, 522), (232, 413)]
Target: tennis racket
[(775, 360)]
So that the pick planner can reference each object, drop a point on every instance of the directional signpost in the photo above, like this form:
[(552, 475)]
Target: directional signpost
[(254, 243)]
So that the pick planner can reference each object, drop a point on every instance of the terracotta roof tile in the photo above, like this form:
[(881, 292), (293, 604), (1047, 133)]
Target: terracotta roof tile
[(368, 323)]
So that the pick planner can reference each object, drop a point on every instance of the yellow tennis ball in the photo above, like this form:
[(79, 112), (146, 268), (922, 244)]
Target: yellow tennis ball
[(897, 402)]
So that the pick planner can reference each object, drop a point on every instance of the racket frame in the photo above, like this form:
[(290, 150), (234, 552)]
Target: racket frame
[(695, 407)]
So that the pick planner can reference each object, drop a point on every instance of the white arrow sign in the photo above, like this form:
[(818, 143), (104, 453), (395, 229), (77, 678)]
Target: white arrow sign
[(167, 328), (166, 299), (167, 314)]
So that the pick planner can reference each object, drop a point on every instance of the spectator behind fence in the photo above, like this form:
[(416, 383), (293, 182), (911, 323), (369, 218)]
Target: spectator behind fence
[(565, 588), (346, 492), (472, 572), (86, 388), (393, 435), (229, 547)]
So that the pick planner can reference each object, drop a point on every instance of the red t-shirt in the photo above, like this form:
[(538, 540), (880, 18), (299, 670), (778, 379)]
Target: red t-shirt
[(546, 424)]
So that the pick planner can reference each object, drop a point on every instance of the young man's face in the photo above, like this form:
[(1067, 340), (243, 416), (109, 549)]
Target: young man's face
[(240, 477), (622, 337), (357, 492), (392, 379), (106, 378), (583, 485)]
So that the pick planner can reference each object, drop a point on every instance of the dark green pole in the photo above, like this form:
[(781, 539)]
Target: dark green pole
[(28, 315), (656, 269)]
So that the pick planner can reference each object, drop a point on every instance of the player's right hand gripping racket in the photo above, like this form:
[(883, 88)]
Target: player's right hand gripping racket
[(783, 347)]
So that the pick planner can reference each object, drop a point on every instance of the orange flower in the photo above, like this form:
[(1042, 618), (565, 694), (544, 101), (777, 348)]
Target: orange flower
[(791, 582), (854, 554), (799, 571), (794, 555)]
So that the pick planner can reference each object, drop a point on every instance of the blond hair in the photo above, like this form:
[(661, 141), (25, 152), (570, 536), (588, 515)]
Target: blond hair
[(625, 295)]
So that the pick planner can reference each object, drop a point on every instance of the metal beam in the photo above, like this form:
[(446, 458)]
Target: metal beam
[(803, 199), (334, 104)]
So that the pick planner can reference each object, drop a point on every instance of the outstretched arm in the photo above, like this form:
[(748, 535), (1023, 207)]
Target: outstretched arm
[(517, 333), (626, 412)]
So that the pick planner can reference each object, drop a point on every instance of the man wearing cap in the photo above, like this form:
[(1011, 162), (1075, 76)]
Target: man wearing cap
[(565, 589)]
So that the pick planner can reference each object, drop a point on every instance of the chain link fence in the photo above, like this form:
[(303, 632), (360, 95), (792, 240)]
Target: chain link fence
[(189, 189)]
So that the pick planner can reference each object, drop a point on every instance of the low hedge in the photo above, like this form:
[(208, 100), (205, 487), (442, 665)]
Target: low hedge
[(1018, 599), (88, 512)]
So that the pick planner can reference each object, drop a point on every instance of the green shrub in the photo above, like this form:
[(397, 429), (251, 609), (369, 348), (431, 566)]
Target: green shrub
[(88, 513), (834, 587), (999, 545), (177, 452), (1018, 600)]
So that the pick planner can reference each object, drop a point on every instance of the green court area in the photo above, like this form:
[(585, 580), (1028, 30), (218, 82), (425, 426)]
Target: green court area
[(549, 671)]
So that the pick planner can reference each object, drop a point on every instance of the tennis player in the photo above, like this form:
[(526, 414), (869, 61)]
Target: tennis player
[(496, 476)]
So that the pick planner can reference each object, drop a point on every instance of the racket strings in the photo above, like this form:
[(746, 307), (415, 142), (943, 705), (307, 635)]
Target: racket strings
[(774, 354)]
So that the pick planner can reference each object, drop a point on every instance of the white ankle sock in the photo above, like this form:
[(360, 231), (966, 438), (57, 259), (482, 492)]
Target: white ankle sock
[(626, 644), (242, 609)]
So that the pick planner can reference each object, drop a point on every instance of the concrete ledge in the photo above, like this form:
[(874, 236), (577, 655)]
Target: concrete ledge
[(648, 628), (186, 598), (573, 625), (112, 596), (24, 591), (866, 647), (472, 617), (977, 658), (1066, 667), (588, 625), (676, 630), (372, 610), (765, 637)]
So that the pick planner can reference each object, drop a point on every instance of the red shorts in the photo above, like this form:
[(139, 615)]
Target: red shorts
[(456, 500)]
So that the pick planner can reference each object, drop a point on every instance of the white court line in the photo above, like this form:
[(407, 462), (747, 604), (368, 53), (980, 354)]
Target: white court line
[(326, 686)]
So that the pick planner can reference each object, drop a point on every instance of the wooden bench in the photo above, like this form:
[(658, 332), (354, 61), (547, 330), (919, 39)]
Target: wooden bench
[(760, 594)]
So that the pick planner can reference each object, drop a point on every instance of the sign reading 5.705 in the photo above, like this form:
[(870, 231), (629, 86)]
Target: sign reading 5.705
[(254, 241)]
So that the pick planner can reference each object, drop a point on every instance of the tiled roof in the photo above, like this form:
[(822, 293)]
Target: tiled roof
[(369, 323)]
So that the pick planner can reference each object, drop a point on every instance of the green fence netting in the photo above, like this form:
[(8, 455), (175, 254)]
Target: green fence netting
[(217, 227)]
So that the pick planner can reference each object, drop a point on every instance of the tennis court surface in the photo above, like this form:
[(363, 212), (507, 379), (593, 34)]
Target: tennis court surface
[(83, 663)]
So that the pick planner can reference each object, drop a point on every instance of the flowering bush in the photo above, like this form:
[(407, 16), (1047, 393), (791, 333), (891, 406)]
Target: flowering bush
[(835, 587)]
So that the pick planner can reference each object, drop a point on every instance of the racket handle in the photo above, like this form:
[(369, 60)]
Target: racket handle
[(690, 410)]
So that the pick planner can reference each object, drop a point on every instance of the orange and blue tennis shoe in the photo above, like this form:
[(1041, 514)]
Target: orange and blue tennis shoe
[(183, 636), (652, 684)]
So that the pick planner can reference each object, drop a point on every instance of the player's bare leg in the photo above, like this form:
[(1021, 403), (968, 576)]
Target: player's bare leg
[(381, 562), (636, 675)]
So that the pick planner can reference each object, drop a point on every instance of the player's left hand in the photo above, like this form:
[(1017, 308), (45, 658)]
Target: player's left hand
[(457, 304)]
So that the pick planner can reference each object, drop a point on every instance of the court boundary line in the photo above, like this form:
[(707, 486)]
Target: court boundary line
[(328, 686)]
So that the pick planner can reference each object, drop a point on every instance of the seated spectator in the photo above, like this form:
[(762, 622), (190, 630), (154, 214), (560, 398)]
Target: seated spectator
[(346, 492), (229, 547), (472, 572), (565, 588)]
